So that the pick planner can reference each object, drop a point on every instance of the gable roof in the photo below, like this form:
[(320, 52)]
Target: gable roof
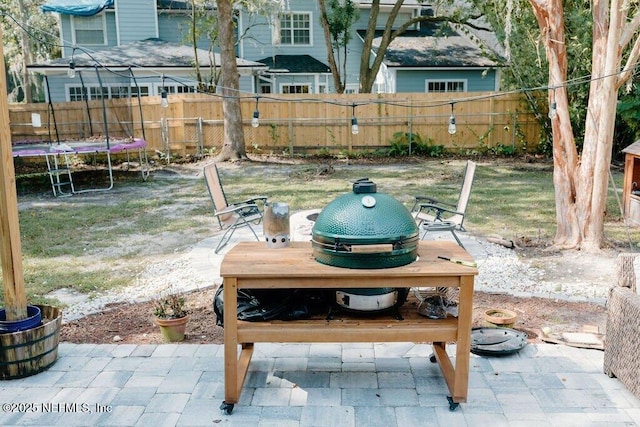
[(433, 46), (150, 53), (295, 64)]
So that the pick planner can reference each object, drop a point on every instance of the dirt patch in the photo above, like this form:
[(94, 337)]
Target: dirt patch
[(133, 323)]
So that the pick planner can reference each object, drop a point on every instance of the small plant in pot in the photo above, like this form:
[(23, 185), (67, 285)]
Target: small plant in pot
[(171, 316)]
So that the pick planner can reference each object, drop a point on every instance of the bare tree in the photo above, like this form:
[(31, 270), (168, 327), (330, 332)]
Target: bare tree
[(581, 181)]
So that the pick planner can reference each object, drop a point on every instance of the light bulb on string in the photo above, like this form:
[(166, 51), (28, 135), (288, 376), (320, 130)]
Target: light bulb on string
[(255, 120), (452, 122), (354, 125), (164, 101), (354, 121), (71, 72), (553, 107)]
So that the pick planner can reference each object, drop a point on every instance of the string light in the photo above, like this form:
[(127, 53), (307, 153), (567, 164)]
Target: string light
[(255, 122), (452, 122), (354, 121), (164, 101), (553, 110), (71, 72)]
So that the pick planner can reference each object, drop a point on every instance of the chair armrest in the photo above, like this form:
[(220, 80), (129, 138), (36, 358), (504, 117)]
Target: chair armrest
[(438, 209), (237, 208), (419, 200), (253, 200)]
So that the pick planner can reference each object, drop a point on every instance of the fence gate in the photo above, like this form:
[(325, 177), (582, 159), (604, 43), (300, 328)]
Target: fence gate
[(181, 136)]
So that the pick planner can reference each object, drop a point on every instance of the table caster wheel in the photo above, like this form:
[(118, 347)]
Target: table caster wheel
[(432, 358), (227, 408), (452, 405)]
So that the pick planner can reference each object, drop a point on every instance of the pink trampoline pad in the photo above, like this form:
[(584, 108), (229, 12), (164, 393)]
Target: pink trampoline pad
[(76, 147)]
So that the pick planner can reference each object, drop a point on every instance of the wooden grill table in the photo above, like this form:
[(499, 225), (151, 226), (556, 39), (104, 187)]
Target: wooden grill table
[(254, 266)]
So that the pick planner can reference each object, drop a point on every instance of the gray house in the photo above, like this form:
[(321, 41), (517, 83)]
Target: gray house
[(131, 47)]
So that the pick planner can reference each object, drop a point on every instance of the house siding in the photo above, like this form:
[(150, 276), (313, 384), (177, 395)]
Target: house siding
[(67, 33), (414, 80), (175, 28), (137, 20)]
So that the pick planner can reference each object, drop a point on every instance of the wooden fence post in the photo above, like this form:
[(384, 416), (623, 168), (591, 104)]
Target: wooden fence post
[(15, 298)]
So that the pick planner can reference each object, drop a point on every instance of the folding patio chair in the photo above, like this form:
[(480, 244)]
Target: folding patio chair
[(434, 215), (231, 216)]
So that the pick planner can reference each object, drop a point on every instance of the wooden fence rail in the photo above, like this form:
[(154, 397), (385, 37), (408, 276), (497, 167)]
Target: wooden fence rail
[(193, 123)]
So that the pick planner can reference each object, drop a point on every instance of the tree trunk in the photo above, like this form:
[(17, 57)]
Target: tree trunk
[(550, 19), (581, 183), (333, 66), (194, 42), (233, 147), (600, 123), (365, 75), (27, 56)]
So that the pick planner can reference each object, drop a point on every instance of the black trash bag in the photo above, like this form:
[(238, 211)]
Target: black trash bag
[(259, 305)]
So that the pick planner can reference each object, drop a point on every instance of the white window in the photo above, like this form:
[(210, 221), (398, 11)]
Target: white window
[(295, 29), (143, 90), (97, 92), (265, 88), (120, 92), (89, 30), (445, 86), (75, 92), (297, 88), (175, 88), (351, 88)]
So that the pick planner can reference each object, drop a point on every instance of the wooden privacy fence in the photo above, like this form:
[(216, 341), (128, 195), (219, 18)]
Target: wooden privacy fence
[(295, 124)]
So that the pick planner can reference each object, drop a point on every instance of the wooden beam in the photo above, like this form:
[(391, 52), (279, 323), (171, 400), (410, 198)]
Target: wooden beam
[(15, 298)]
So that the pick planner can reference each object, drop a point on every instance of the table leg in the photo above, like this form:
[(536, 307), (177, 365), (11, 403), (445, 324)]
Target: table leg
[(231, 386), (463, 343)]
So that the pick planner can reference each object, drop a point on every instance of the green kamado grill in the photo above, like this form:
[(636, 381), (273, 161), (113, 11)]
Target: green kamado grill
[(365, 229)]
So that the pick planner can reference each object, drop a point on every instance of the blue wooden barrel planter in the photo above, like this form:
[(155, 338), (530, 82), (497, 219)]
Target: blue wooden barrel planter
[(30, 351)]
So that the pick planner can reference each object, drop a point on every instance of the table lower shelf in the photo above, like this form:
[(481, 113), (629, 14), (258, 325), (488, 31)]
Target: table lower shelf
[(349, 330)]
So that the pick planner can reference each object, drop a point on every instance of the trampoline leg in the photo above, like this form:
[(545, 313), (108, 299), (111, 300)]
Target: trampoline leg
[(110, 170)]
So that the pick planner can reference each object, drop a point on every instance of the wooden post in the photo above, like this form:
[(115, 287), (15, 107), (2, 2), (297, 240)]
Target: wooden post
[(15, 298)]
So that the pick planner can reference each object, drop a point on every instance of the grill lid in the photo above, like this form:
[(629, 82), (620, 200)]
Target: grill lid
[(365, 229)]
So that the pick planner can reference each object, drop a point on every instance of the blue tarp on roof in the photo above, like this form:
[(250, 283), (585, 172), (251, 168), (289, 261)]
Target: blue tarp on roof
[(76, 7)]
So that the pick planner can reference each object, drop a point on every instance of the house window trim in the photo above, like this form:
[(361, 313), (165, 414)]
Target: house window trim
[(352, 88), (103, 18), (282, 85), (87, 87), (172, 88), (290, 14), (464, 82)]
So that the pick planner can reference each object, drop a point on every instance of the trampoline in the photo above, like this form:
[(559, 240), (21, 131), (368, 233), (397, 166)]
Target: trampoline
[(57, 155), (57, 152)]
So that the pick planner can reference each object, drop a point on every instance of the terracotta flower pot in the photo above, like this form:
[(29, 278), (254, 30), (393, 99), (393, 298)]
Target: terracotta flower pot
[(172, 329), (500, 317)]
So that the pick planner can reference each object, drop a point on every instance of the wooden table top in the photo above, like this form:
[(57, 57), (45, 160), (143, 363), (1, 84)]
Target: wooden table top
[(256, 260)]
